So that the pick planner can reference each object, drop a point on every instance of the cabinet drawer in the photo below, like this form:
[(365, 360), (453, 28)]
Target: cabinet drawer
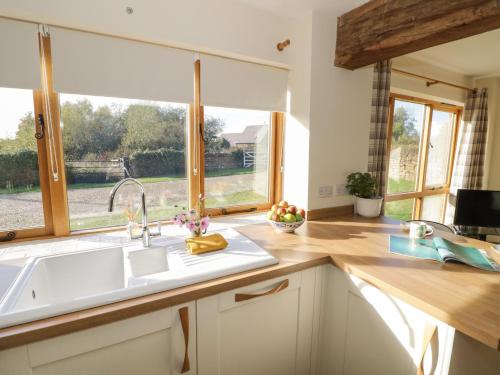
[(256, 292)]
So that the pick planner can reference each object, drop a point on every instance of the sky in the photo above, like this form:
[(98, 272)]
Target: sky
[(15, 103)]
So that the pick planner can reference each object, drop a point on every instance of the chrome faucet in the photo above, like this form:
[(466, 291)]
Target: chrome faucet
[(146, 233)]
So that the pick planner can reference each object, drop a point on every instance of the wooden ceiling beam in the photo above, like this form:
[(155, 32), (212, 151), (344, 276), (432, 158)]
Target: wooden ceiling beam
[(384, 29)]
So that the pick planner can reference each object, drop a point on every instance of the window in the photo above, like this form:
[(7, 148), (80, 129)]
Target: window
[(108, 139), (94, 136), (237, 157), (20, 193), (421, 145)]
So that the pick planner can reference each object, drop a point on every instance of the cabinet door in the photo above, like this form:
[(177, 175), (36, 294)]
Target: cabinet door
[(149, 344), (367, 331), (265, 328)]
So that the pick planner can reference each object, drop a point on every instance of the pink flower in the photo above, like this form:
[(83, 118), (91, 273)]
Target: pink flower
[(180, 219), (190, 225), (204, 223)]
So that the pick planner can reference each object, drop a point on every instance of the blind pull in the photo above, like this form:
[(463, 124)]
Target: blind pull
[(44, 33)]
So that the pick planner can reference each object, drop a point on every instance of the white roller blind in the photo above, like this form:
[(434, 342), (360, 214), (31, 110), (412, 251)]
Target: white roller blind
[(237, 84), (86, 63), (19, 56)]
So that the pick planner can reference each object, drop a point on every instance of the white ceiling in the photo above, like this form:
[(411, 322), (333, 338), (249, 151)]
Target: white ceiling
[(477, 56), (293, 8)]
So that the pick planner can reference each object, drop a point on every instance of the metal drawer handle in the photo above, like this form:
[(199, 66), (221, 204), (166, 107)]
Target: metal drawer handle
[(184, 316), (238, 297)]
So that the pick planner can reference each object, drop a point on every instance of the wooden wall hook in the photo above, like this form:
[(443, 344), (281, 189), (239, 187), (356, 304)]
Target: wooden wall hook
[(282, 45)]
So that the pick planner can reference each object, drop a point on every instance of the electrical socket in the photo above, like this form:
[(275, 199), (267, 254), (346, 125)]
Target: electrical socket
[(325, 191), (340, 189)]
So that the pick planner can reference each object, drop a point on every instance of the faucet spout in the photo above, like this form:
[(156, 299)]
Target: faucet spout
[(146, 235)]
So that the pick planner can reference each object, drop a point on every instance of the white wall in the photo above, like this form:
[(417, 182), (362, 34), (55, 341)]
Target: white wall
[(340, 116), (296, 155), (217, 26), (416, 87)]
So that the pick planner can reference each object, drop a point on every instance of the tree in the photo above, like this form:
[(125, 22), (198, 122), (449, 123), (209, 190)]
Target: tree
[(87, 132), (213, 142), (404, 127), (25, 136)]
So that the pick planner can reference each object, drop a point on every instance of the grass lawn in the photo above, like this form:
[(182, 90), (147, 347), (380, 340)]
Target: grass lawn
[(400, 186), (144, 180), (164, 213), (399, 210)]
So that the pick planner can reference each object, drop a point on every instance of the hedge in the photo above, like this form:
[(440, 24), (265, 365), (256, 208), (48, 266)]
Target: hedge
[(19, 169), (162, 162)]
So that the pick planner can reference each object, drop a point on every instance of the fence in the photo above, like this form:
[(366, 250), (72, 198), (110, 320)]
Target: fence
[(94, 171), (253, 159)]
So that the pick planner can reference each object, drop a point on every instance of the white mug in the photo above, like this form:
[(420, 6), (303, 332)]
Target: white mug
[(418, 229)]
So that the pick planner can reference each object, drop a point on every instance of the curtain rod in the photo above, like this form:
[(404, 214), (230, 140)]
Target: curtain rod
[(230, 56), (430, 81)]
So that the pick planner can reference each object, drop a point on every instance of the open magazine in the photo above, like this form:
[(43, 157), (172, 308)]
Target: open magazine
[(442, 250)]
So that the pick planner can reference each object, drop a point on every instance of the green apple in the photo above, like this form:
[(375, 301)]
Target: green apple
[(299, 217), (269, 215), (289, 218)]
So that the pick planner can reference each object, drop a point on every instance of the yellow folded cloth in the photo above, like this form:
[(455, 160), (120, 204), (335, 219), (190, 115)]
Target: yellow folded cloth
[(204, 244)]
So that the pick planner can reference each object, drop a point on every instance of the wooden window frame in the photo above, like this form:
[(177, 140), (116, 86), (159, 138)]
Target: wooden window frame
[(54, 193), (421, 190)]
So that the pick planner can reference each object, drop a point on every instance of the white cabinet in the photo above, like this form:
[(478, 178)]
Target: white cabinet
[(367, 331), (150, 344), (265, 328)]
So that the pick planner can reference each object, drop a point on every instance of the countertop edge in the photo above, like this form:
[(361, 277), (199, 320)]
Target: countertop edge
[(43, 329)]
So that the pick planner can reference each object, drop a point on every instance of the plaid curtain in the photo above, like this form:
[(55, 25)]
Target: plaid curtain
[(468, 172), (377, 152), (469, 157)]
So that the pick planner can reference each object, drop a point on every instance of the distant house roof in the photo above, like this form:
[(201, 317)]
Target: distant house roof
[(250, 135)]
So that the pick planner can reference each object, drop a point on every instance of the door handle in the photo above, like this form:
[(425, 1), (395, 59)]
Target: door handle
[(184, 316), (238, 297)]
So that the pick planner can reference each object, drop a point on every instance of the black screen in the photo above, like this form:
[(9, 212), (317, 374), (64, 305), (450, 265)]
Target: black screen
[(478, 208)]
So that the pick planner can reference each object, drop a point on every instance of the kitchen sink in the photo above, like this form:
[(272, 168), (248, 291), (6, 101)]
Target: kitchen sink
[(58, 284)]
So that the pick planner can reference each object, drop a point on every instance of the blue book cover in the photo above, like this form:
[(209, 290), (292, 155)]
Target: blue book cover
[(442, 250)]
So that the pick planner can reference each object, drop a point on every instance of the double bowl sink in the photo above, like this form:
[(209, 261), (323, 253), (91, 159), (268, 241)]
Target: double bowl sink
[(57, 284)]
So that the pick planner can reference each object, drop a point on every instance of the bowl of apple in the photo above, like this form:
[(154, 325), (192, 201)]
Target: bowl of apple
[(285, 218)]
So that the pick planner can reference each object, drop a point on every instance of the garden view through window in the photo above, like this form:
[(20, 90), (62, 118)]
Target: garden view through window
[(108, 139), (420, 159), (236, 156), (20, 195)]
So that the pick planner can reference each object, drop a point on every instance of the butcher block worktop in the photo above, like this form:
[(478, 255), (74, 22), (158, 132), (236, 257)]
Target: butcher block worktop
[(461, 296)]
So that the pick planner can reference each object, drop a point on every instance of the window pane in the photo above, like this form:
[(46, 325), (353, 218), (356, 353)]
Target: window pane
[(400, 210), (107, 138), (405, 146), (236, 156), (20, 197), (439, 148), (433, 207)]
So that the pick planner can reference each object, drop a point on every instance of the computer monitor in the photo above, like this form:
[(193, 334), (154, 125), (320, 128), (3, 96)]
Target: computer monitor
[(477, 208)]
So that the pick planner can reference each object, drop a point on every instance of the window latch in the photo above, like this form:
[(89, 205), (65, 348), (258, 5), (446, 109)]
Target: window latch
[(8, 237), (41, 123)]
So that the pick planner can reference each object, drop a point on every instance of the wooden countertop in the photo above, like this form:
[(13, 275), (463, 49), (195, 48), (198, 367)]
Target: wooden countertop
[(461, 296)]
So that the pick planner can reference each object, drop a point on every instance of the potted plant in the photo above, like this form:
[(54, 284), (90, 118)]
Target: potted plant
[(363, 187)]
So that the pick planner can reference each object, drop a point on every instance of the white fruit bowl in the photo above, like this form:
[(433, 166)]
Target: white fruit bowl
[(285, 227)]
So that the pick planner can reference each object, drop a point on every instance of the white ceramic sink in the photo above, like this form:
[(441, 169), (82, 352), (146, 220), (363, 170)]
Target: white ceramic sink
[(56, 279), (147, 261), (53, 285)]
